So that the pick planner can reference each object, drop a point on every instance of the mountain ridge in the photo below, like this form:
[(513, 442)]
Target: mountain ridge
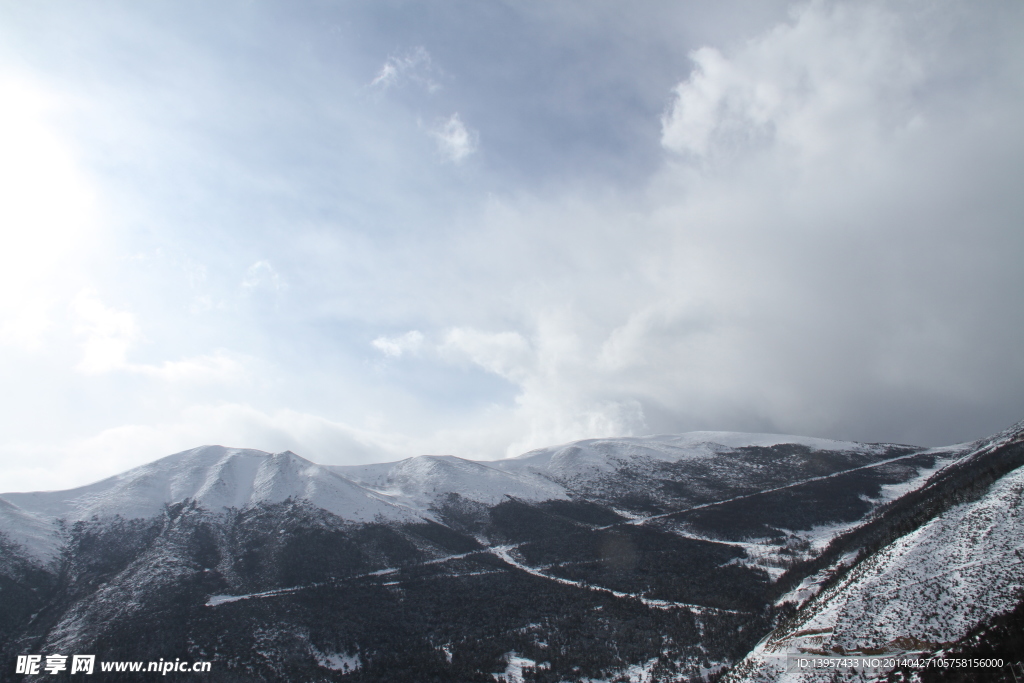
[(679, 551), (221, 477)]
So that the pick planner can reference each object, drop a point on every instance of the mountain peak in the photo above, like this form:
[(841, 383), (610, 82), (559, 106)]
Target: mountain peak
[(216, 478)]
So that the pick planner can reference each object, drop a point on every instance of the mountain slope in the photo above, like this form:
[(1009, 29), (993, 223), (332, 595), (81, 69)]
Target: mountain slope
[(659, 558), (420, 481), (952, 570), (212, 477)]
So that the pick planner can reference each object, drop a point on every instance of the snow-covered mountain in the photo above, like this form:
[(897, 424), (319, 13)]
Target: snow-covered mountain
[(213, 477), (926, 589), (217, 478), (419, 482), (682, 551), (567, 459)]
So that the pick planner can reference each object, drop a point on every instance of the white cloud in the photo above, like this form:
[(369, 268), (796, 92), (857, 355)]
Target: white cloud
[(829, 246), (218, 367), (454, 140), (47, 212), (261, 275), (387, 75), (506, 354), (414, 66), (546, 419), (106, 334), (395, 347), (835, 67), (557, 399), (832, 229)]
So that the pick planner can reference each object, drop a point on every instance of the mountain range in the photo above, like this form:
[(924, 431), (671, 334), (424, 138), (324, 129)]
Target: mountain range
[(699, 556)]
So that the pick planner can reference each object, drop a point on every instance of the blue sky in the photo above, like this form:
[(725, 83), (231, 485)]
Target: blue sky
[(368, 230)]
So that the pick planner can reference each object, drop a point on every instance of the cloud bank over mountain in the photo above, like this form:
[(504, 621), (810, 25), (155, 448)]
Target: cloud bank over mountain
[(364, 233)]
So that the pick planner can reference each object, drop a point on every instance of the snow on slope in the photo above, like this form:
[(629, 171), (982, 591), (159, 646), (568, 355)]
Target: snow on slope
[(218, 478), (37, 535), (215, 477), (421, 480), (545, 473), (590, 458), (926, 588)]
